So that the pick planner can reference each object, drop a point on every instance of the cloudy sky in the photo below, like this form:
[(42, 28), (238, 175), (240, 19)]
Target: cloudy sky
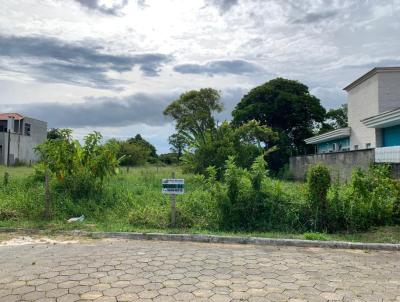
[(113, 66)]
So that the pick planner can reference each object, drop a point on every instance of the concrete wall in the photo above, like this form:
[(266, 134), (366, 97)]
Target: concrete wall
[(21, 145), (363, 103), (341, 164)]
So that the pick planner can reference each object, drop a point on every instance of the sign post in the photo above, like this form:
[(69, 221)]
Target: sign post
[(172, 187)]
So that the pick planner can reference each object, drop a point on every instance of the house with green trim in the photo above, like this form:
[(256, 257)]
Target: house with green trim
[(373, 117)]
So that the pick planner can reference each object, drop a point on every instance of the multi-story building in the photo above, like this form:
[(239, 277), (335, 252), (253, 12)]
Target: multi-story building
[(373, 114), (19, 135)]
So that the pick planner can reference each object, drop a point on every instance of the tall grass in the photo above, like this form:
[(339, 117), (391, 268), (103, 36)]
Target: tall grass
[(244, 201)]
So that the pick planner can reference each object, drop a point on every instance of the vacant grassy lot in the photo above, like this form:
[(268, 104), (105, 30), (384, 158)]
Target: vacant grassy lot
[(132, 201)]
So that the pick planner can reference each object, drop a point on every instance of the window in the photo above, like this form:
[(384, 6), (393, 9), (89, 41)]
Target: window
[(355, 147), (27, 129), (368, 145)]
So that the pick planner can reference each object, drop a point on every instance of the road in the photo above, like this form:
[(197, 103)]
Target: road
[(121, 270)]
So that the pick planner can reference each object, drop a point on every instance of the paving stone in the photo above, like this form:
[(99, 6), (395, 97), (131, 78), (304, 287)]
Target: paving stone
[(55, 293), (11, 298), (148, 294), (113, 292), (220, 298), (33, 296), (68, 298), (120, 270), (23, 290), (91, 295), (182, 296), (128, 297)]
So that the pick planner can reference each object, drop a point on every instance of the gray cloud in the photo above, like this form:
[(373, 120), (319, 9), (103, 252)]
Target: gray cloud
[(316, 17), (230, 97), (53, 60), (222, 5), (97, 6), (139, 108), (219, 67)]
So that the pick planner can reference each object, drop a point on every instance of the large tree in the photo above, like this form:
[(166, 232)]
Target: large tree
[(193, 111), (139, 140), (178, 142), (335, 119), (288, 107), (137, 151)]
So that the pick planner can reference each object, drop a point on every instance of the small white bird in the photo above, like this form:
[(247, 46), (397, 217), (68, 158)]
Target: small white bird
[(74, 219)]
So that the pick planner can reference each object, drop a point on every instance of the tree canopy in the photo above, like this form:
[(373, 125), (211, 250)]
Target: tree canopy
[(193, 111), (244, 143), (137, 151), (178, 142), (335, 119), (288, 108)]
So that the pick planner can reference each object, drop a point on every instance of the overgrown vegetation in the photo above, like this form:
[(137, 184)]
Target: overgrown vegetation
[(244, 200), (77, 170)]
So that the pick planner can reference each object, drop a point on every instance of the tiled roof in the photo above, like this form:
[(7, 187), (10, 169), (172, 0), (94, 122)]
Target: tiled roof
[(5, 116)]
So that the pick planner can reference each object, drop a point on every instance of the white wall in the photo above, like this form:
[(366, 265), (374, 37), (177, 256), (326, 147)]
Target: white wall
[(22, 146), (363, 103)]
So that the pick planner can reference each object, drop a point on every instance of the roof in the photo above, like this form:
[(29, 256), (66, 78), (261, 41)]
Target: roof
[(5, 116), (385, 119), (328, 136), (369, 74)]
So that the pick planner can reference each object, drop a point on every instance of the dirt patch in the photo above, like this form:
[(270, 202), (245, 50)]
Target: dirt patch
[(24, 240)]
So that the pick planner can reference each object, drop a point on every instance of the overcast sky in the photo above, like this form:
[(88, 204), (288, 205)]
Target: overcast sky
[(113, 66)]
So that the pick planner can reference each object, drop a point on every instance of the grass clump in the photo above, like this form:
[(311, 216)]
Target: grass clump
[(315, 236)]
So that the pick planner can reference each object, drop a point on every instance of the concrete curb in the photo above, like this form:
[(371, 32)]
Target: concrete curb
[(220, 239)]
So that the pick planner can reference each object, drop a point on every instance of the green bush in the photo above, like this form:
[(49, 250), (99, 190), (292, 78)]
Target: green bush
[(318, 183), (77, 170), (369, 199), (21, 198), (150, 217), (251, 201)]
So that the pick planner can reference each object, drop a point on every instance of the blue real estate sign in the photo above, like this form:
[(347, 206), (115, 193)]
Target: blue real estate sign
[(173, 186)]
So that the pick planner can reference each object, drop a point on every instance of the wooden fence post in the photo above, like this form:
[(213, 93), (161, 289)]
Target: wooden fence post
[(173, 206), (6, 178)]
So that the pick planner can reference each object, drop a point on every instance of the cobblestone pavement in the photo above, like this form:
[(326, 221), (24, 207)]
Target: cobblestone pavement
[(120, 270)]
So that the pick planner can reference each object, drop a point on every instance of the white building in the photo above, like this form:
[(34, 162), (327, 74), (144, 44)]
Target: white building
[(373, 117), (19, 135)]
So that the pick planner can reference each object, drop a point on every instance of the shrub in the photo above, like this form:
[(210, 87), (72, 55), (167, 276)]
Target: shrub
[(249, 200), (318, 183), (8, 214), (150, 217), (78, 170), (198, 210), (368, 200), (169, 158)]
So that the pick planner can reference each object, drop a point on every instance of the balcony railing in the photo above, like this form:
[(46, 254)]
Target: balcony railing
[(387, 154)]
